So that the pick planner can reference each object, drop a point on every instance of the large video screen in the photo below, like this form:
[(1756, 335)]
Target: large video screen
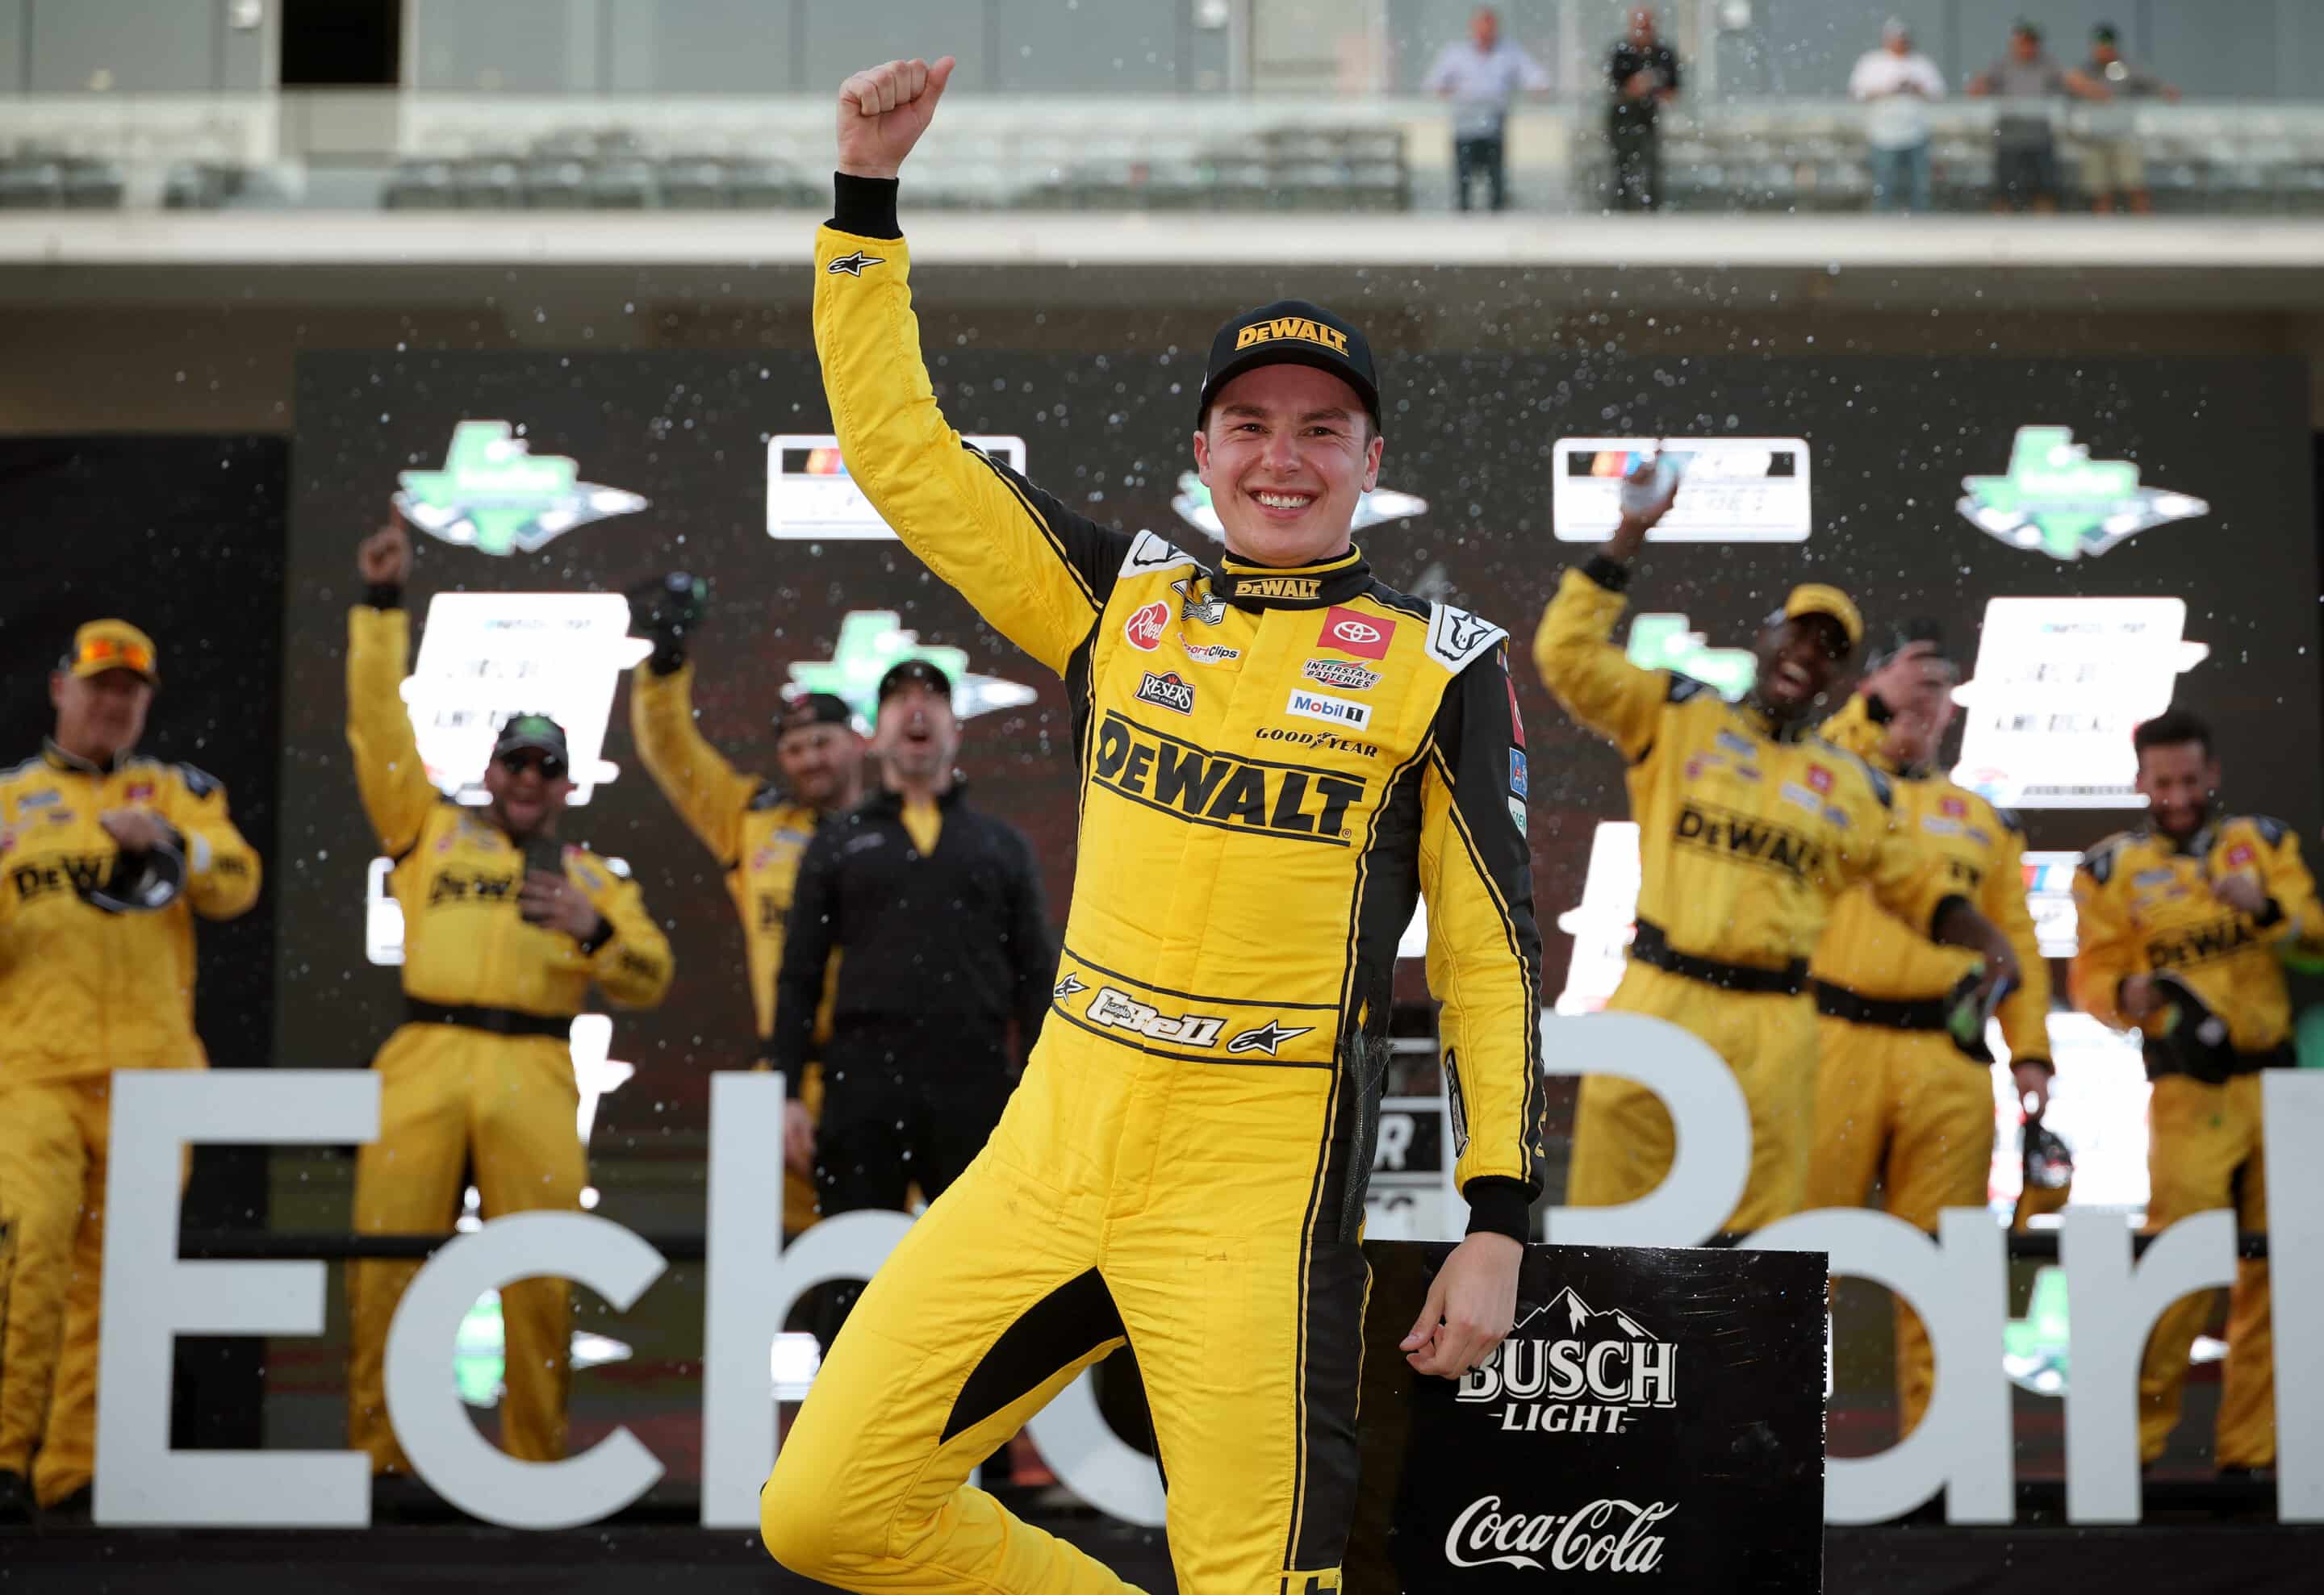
[(2101, 538)]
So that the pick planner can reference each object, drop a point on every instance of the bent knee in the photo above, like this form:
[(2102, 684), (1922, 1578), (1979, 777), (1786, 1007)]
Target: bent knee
[(803, 1524)]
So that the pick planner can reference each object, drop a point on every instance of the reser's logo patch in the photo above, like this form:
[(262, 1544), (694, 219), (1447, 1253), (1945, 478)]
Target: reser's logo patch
[(1299, 327), (1193, 784), (1168, 690), (1747, 840)]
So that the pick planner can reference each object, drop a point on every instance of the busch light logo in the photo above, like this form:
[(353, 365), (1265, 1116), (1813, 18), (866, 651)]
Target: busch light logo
[(1580, 1372), (1604, 1536)]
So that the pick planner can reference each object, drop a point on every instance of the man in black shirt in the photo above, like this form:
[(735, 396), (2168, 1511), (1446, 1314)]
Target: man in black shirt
[(935, 912), (1643, 75)]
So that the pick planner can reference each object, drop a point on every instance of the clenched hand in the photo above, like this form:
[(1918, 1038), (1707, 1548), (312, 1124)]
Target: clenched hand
[(882, 112)]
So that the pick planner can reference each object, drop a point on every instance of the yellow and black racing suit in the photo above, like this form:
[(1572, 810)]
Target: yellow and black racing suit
[(2144, 905), (1276, 764), (84, 990), (1897, 1099), (1747, 835), (758, 837), (478, 1081)]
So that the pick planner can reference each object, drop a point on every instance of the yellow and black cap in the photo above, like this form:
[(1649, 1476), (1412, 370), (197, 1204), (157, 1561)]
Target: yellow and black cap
[(111, 645), (1291, 332)]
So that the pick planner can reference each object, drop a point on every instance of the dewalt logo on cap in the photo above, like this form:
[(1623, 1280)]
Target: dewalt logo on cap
[(1293, 327)]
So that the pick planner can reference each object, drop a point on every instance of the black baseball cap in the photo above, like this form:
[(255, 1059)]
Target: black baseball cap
[(536, 732), (2105, 33), (1291, 332), (905, 672), (814, 708)]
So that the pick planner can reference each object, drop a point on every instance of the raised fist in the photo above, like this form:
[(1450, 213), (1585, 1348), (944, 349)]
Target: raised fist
[(384, 559), (882, 112)]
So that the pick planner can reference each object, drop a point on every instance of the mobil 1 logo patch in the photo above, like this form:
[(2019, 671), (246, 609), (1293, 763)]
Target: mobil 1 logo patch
[(1166, 689), (1334, 711)]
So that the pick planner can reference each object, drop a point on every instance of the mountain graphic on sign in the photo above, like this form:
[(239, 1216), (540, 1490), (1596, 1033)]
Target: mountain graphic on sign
[(1567, 1316)]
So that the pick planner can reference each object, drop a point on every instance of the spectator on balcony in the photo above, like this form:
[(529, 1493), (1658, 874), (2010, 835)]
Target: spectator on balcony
[(1480, 75), (2113, 161), (2025, 142), (1895, 84), (1643, 74)]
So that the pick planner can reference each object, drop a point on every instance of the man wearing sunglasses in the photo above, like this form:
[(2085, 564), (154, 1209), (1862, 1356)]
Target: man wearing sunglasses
[(757, 829), (505, 932), (105, 858)]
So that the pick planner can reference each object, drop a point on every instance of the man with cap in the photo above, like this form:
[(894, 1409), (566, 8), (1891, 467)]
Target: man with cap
[(1750, 828), (105, 857), (754, 828), (1904, 1087), (506, 931), (2114, 157), (2184, 925), (924, 917), (1278, 757)]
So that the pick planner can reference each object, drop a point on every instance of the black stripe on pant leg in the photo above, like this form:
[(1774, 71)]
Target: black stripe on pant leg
[(1333, 1278), (1061, 1328)]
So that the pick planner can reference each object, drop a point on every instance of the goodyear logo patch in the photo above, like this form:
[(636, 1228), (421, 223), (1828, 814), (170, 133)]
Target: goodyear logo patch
[(1299, 327), (1191, 783)]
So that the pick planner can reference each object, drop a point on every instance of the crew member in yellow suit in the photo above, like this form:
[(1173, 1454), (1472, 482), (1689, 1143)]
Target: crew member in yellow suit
[(106, 856), (505, 932), (755, 829), (1750, 827), (1904, 1093), (2183, 923)]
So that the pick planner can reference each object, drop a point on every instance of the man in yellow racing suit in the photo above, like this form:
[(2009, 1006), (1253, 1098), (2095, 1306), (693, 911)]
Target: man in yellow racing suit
[(756, 830), (1278, 757), (105, 857), (2181, 925), (1749, 829), (1904, 1091), (504, 932)]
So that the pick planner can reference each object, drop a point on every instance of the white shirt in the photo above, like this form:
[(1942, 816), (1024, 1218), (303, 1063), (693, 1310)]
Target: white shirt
[(1895, 121), (1481, 82)]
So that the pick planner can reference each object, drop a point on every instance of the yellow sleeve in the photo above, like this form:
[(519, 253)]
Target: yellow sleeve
[(1038, 573), (397, 794), (1484, 950), (1911, 881), (2024, 1013), (632, 965), (2286, 877), (2106, 950), (1594, 679), (708, 793), (1855, 729), (222, 870)]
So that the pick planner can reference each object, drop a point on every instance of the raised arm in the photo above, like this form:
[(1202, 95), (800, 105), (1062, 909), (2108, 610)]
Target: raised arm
[(1575, 652), (1037, 572), (397, 794)]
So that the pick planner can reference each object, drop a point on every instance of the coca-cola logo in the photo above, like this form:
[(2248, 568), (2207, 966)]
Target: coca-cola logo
[(1144, 629), (1604, 1536)]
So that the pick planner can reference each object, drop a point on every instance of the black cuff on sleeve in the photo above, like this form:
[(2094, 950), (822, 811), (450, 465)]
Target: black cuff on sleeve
[(2270, 912), (1500, 1205), (384, 595), (1945, 906), (1877, 709), (1609, 573), (865, 205), (668, 657), (597, 937)]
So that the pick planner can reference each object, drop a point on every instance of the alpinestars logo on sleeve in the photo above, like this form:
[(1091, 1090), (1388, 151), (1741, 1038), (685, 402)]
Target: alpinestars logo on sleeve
[(853, 265)]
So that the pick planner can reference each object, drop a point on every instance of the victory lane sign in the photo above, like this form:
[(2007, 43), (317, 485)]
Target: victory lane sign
[(1654, 1421)]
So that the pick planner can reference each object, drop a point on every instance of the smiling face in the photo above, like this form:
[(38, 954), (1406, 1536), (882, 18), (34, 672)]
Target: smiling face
[(916, 736), (1288, 453), (99, 717), (2177, 780), (819, 764), (528, 789), (1799, 659)]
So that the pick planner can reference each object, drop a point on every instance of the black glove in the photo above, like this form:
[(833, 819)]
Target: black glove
[(668, 609), (2194, 1040)]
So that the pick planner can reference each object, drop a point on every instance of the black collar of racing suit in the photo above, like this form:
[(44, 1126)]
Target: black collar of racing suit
[(887, 800), (60, 758), (1336, 581), (2196, 846), (1766, 725)]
